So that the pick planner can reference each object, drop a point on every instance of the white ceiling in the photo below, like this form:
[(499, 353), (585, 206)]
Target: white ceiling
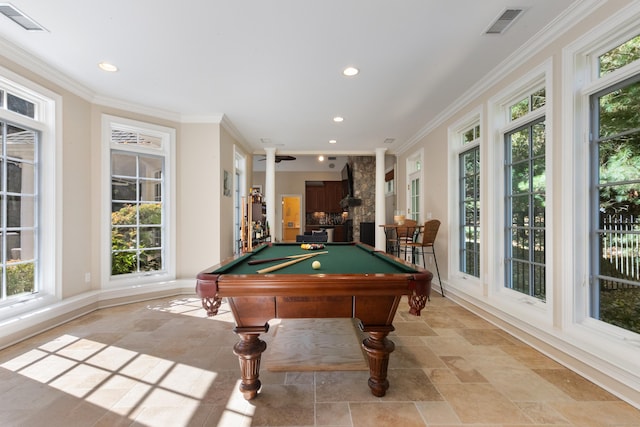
[(272, 68)]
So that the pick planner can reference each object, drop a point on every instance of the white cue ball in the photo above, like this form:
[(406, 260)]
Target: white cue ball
[(315, 265)]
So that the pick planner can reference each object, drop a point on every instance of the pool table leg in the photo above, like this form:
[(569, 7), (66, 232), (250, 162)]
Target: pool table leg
[(378, 349), (249, 351)]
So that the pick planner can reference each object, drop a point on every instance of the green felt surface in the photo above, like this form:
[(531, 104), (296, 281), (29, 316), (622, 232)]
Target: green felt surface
[(340, 259)]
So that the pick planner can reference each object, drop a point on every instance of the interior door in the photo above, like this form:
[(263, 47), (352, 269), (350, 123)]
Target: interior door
[(291, 226)]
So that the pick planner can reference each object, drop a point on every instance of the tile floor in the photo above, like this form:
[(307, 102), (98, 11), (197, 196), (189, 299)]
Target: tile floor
[(163, 363)]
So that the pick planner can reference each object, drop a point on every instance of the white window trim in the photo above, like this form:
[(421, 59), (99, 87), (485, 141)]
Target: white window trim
[(168, 136), (417, 156), (580, 82), (49, 123), (527, 308), (470, 284)]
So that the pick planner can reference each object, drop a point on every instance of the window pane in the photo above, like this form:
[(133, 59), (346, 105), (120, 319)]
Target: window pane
[(618, 111), (619, 160), (20, 211), (539, 175), (20, 106), (539, 282), (150, 140), (538, 210), (520, 243), (470, 163), (150, 167), (119, 136), (20, 278), (520, 178), (519, 145), (123, 262), (124, 164), (20, 143), (126, 237), (538, 246), (622, 55), (468, 136), (520, 211), (124, 214), (150, 237), (520, 274), (150, 191), (539, 138), (151, 214), (124, 189), (520, 109), (151, 260), (538, 99)]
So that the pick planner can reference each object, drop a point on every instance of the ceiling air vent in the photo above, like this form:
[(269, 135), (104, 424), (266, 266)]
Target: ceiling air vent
[(20, 18), (504, 21)]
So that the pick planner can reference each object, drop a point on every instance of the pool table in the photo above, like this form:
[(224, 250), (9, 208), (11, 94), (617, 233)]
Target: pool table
[(354, 281)]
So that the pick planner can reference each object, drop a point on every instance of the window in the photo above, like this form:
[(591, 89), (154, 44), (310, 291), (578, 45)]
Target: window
[(414, 169), (29, 156), (525, 174), (615, 206), (469, 202), (139, 225), (18, 210)]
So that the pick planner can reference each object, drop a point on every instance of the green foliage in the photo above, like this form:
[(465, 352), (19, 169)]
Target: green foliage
[(20, 278), (126, 256), (622, 55), (621, 307)]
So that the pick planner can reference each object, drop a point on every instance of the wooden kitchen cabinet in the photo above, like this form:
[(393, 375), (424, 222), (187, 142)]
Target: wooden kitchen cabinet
[(315, 198), (333, 195)]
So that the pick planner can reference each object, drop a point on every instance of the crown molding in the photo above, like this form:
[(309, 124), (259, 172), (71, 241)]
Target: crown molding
[(24, 59), (119, 104), (543, 38)]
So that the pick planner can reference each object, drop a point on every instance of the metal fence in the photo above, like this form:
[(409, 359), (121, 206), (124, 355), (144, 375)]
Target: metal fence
[(620, 240)]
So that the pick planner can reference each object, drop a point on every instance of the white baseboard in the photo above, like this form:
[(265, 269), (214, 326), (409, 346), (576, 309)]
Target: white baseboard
[(41, 314)]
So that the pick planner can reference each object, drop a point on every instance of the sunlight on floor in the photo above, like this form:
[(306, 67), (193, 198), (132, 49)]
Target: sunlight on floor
[(139, 386)]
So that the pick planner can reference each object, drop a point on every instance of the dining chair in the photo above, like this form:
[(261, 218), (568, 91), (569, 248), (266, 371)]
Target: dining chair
[(405, 233), (427, 243)]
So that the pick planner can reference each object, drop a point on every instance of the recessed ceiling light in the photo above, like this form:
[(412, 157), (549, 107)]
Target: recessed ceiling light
[(105, 66), (338, 119), (332, 141), (350, 71)]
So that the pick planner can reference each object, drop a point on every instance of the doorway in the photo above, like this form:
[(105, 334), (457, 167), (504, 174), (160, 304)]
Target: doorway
[(291, 206)]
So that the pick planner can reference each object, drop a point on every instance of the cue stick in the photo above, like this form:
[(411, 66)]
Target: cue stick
[(286, 264), (262, 261)]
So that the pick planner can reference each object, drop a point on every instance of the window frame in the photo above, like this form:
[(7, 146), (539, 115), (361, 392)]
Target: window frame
[(167, 152), (530, 193), (47, 122), (415, 171), (580, 81), (525, 307), (456, 147)]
